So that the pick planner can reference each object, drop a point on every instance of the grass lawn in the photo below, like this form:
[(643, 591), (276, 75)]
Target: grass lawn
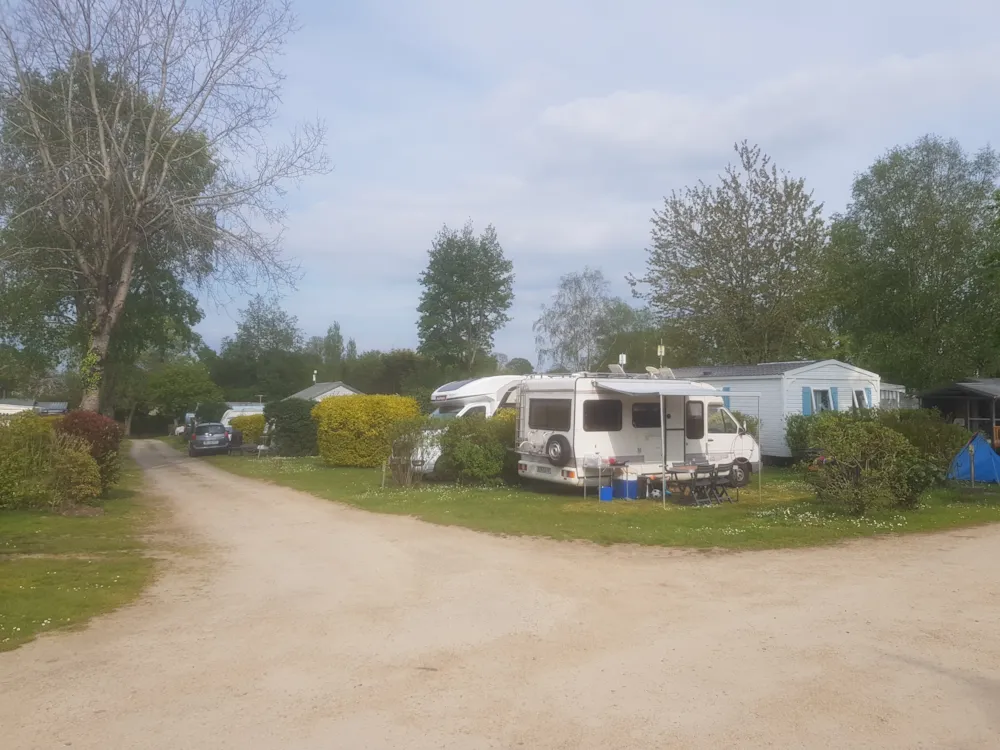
[(786, 516), (58, 571)]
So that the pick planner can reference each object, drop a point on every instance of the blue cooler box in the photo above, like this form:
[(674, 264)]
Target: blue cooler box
[(626, 488), (604, 493)]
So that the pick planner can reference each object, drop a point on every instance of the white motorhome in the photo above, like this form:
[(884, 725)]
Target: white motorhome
[(571, 429), (462, 398), (240, 410)]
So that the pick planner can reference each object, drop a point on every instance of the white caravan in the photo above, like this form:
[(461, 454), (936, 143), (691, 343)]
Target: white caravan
[(572, 429), (464, 398), (240, 410)]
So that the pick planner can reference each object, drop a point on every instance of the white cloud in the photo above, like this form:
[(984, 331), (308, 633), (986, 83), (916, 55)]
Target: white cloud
[(818, 104)]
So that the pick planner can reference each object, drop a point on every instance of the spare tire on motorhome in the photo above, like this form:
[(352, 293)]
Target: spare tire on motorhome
[(558, 450)]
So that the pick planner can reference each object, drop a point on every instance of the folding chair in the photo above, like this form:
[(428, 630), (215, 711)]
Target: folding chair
[(720, 482), (701, 484)]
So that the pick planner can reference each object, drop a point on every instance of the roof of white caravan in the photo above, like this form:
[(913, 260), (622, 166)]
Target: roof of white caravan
[(461, 389), (638, 386)]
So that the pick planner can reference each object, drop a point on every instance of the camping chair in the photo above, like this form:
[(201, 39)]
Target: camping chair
[(702, 479), (720, 482), (235, 441)]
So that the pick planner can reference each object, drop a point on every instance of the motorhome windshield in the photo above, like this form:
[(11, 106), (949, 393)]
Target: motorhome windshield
[(447, 411)]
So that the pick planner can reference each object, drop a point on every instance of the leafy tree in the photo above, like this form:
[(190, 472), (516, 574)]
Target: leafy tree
[(351, 351), (519, 366), (265, 327), (580, 327), (176, 389), (333, 349), (740, 264), (125, 128), (468, 289), (915, 259)]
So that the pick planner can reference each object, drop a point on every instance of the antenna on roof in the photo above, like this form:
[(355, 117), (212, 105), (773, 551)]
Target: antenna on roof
[(616, 369)]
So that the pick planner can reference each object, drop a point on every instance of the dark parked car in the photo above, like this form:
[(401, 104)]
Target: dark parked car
[(208, 437)]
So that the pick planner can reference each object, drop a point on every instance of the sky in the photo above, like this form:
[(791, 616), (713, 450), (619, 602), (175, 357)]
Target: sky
[(564, 123)]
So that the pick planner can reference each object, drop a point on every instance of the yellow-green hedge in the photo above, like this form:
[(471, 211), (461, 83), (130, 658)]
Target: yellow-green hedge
[(356, 430), (252, 427)]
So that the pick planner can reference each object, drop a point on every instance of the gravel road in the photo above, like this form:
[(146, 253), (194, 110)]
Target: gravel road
[(292, 622)]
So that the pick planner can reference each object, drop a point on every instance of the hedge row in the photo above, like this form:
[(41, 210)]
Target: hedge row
[(358, 430), (293, 431), (870, 460), (46, 466), (252, 427)]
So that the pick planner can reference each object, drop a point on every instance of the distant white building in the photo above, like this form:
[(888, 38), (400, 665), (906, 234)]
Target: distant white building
[(15, 406), (319, 391), (786, 388)]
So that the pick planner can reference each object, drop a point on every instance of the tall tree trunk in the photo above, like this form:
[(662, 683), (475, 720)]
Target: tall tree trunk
[(128, 419), (92, 371)]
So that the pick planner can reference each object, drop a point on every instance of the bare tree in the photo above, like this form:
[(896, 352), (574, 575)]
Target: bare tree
[(568, 333), (135, 134)]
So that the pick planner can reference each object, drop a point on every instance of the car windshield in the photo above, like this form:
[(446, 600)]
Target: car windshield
[(210, 429)]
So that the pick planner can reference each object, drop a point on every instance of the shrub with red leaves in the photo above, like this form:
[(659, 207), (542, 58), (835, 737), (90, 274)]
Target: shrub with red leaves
[(104, 436)]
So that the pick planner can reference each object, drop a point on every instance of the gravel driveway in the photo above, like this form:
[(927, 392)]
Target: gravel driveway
[(292, 622)]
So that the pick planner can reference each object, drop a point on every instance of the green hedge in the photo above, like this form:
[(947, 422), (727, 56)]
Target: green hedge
[(475, 449), (293, 429), (358, 430), (252, 427), (866, 466), (43, 468)]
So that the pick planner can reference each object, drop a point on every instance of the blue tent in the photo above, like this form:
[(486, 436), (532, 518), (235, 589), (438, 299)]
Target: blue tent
[(987, 462)]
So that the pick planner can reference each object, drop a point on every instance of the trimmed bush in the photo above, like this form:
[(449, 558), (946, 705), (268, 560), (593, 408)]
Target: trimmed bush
[(74, 477), (42, 468), (25, 441), (475, 449), (104, 435), (938, 441), (797, 433), (293, 429), (357, 430), (866, 466), (252, 427)]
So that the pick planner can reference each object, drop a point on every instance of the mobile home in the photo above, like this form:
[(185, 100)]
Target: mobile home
[(786, 388), (569, 428)]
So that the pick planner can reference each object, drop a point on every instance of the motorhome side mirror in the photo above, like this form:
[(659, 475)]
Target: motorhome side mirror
[(743, 429)]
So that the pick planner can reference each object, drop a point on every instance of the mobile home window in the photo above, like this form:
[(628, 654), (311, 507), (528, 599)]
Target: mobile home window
[(859, 400), (602, 415), (821, 401), (646, 415), (694, 424), (549, 414)]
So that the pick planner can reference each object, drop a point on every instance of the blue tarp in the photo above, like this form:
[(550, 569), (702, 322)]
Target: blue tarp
[(987, 462)]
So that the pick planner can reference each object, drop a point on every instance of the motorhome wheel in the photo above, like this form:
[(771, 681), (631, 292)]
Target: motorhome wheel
[(558, 450), (741, 474)]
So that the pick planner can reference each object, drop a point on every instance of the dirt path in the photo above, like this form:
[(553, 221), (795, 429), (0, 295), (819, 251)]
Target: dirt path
[(303, 624)]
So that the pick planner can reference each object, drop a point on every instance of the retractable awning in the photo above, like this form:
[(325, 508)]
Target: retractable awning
[(667, 388)]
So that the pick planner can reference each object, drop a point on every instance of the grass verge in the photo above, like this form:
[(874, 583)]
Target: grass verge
[(59, 571), (785, 515)]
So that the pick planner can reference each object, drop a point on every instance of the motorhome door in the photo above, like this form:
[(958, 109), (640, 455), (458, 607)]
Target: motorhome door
[(695, 445)]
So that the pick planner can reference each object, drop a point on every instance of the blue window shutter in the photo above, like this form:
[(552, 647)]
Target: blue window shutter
[(833, 398), (807, 400), (725, 399), (868, 398)]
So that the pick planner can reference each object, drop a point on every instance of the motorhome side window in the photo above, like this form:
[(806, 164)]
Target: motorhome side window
[(550, 414), (602, 415), (476, 410), (719, 421), (695, 423), (646, 415)]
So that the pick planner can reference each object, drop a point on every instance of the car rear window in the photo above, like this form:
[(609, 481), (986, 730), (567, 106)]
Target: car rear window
[(210, 429)]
